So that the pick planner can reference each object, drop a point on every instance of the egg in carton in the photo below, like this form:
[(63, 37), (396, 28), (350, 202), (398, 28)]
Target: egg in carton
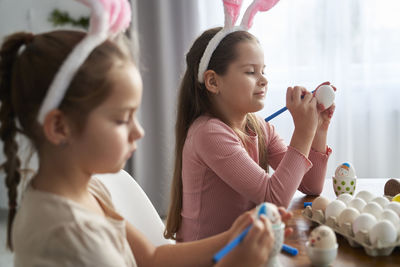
[(373, 223)]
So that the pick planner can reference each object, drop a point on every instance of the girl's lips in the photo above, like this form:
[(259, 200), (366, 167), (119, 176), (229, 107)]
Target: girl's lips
[(262, 93)]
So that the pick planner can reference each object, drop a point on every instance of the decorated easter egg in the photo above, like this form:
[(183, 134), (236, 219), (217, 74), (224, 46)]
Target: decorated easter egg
[(396, 198), (364, 222), (345, 170), (383, 233), (345, 197), (365, 195), (383, 201), (374, 209), (320, 203), (357, 203), (322, 237), (334, 209), (325, 95), (348, 215), (271, 212)]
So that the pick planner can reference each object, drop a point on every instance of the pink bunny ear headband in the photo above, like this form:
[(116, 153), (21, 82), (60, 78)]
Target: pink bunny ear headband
[(232, 10), (107, 19)]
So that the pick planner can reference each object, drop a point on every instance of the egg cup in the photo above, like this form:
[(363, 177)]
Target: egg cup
[(321, 256), (344, 185), (279, 230)]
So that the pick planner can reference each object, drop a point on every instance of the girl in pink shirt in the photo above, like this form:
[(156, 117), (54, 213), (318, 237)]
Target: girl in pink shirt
[(223, 150), (75, 96)]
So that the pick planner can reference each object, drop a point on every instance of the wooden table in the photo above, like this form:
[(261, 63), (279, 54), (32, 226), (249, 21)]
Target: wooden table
[(347, 255)]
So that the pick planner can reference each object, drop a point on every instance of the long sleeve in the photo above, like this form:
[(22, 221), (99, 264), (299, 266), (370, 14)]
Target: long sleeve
[(313, 181), (221, 179), (222, 151)]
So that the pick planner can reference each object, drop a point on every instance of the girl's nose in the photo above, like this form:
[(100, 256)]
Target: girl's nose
[(263, 81), (137, 132)]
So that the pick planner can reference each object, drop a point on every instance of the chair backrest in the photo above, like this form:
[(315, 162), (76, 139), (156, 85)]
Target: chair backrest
[(133, 204)]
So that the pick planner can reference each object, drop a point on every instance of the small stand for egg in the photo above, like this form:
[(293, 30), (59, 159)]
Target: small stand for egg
[(273, 260)]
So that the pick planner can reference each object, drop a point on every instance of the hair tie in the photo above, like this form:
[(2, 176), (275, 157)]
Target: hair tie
[(108, 18), (232, 11)]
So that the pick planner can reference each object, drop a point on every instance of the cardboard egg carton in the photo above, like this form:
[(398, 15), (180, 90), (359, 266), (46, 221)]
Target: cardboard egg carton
[(346, 230)]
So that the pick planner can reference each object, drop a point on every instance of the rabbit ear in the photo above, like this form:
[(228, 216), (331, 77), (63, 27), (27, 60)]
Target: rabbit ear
[(120, 15), (107, 19), (232, 11), (257, 5), (108, 16)]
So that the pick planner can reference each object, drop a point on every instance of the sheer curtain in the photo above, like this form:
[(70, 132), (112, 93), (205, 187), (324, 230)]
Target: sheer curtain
[(352, 43)]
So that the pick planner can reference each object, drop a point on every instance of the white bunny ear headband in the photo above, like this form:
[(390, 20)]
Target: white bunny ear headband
[(107, 19), (232, 10)]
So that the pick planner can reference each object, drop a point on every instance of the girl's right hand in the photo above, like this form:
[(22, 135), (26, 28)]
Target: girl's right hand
[(255, 248), (304, 110)]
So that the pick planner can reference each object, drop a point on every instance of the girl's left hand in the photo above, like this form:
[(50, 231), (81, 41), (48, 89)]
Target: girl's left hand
[(325, 115)]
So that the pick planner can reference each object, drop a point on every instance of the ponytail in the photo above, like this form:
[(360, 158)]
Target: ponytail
[(8, 128)]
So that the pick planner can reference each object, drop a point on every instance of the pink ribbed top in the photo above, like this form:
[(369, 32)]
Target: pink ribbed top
[(221, 180)]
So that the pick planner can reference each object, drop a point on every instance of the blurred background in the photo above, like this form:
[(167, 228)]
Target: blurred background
[(351, 43)]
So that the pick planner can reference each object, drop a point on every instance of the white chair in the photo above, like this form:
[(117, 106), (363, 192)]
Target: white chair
[(133, 204)]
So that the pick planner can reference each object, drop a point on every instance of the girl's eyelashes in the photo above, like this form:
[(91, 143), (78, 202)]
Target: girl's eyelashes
[(119, 122)]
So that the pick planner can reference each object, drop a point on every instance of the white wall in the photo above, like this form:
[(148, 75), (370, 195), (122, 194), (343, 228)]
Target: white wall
[(30, 15)]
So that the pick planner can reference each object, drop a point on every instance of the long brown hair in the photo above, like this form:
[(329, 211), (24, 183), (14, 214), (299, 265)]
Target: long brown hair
[(194, 101), (28, 65)]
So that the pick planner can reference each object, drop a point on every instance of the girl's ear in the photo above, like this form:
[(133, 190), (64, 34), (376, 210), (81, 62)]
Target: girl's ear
[(211, 81), (56, 128)]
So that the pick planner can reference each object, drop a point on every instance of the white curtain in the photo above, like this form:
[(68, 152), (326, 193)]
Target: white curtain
[(352, 43)]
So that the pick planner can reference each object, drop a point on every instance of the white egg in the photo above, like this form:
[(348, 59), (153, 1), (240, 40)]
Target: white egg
[(325, 95), (391, 216), (345, 197), (395, 206), (383, 233), (373, 208), (320, 203), (364, 222), (383, 201), (322, 237), (334, 209), (357, 203), (348, 215), (365, 195)]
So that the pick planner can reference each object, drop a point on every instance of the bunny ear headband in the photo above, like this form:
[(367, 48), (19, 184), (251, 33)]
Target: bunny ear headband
[(232, 10), (107, 19)]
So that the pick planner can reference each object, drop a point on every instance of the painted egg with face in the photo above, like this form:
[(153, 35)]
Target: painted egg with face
[(271, 212), (345, 170), (322, 237)]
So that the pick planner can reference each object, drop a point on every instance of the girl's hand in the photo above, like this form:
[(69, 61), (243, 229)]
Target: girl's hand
[(303, 110), (286, 216), (255, 247)]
